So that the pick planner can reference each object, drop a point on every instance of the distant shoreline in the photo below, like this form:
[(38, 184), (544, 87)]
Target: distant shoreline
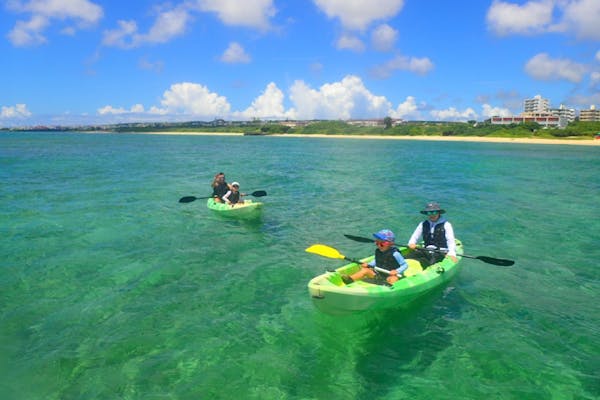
[(578, 142)]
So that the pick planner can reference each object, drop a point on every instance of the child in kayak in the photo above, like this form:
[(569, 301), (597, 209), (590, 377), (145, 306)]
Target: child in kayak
[(234, 196), (387, 257)]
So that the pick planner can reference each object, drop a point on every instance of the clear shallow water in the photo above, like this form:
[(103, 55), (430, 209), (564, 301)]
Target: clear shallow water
[(110, 288)]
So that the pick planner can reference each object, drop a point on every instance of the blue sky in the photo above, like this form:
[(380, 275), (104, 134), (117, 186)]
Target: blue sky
[(69, 62)]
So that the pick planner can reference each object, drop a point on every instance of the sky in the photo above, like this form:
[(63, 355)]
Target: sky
[(82, 62)]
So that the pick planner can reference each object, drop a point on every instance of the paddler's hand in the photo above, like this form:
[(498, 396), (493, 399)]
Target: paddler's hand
[(364, 265), (412, 246), (453, 258), (394, 272)]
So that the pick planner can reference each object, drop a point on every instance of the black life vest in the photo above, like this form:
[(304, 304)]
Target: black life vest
[(385, 259), (438, 238), (220, 190), (234, 197)]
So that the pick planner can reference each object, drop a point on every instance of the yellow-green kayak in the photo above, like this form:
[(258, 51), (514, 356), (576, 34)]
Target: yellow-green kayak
[(331, 295), (247, 209)]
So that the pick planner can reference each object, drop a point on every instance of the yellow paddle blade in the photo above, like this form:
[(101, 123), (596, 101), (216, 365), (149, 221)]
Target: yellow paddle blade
[(324, 251)]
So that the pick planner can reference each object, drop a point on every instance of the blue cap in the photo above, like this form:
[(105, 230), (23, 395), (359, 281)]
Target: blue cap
[(385, 234)]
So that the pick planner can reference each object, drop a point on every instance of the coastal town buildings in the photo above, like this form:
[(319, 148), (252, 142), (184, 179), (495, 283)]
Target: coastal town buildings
[(591, 114)]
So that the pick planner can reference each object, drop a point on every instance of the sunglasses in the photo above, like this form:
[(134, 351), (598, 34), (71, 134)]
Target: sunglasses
[(431, 212), (382, 242)]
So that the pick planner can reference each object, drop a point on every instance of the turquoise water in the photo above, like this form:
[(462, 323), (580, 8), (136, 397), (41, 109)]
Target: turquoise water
[(111, 289)]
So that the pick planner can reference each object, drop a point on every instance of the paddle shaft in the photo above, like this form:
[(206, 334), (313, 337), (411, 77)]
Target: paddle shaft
[(485, 259), (189, 199)]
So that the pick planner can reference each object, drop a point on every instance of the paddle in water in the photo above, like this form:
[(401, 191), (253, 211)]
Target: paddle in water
[(485, 259), (189, 199)]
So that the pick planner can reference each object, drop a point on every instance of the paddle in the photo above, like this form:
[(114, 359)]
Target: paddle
[(189, 199), (330, 252), (489, 260)]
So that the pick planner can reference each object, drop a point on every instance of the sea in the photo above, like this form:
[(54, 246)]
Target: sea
[(110, 288)]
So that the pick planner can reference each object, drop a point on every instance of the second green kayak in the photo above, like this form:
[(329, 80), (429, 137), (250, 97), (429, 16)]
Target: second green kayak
[(247, 209)]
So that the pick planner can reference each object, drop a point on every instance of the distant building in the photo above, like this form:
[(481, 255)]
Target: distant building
[(591, 114), (536, 105), (562, 111), (546, 120)]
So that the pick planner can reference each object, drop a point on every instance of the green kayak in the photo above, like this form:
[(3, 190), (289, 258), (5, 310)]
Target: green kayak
[(331, 295), (247, 209)]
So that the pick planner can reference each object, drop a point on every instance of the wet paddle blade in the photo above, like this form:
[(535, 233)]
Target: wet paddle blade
[(258, 193), (360, 239), (496, 261), (187, 199), (324, 251)]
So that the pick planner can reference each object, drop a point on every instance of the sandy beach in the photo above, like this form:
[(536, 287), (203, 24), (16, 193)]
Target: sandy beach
[(577, 142)]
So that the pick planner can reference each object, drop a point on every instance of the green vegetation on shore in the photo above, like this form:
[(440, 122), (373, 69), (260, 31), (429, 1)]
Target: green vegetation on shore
[(575, 130)]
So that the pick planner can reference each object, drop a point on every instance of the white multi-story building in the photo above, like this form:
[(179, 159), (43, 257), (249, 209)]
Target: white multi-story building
[(567, 113), (537, 105), (591, 114)]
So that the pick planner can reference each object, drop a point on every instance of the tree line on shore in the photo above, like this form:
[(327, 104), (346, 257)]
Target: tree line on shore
[(576, 129)]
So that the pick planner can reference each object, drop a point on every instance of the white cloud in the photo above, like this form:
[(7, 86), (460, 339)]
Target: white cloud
[(581, 17), (542, 67), (346, 99), (82, 13), (194, 99), (420, 66), (249, 13), (16, 111), (452, 114), (359, 14), (407, 109), (577, 17), (384, 37), (110, 110), (350, 42), (168, 25), (489, 111), (532, 17), (234, 54), (269, 105)]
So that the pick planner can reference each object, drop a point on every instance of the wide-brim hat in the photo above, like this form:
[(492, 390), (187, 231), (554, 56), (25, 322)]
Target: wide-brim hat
[(433, 206), (235, 184)]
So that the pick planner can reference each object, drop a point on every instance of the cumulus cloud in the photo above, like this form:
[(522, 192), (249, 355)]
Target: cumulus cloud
[(346, 99), (543, 67), (488, 111), (16, 111), (43, 13), (576, 17), (235, 54), (384, 37), (408, 109), (248, 13), (269, 105), (420, 66), (350, 42), (357, 14), (193, 99)]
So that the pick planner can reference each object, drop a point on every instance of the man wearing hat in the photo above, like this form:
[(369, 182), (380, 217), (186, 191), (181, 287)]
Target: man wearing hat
[(435, 231)]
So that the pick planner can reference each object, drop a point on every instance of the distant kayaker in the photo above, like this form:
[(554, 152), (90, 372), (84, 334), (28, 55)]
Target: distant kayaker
[(220, 187), (234, 196), (386, 256), (435, 231)]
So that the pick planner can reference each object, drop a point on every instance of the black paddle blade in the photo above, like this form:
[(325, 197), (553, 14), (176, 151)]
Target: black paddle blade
[(496, 261), (259, 193), (360, 239), (187, 199)]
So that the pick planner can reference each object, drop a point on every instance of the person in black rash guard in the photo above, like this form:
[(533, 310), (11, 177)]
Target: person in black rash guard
[(220, 187), (435, 231)]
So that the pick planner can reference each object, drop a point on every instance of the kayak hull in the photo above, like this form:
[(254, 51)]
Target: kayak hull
[(248, 209), (330, 295)]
